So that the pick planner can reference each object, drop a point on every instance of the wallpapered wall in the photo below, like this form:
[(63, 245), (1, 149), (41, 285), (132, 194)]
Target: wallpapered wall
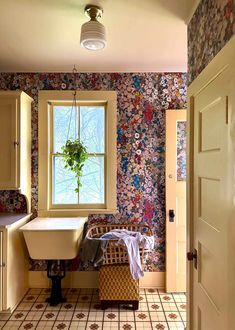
[(210, 28), (141, 104)]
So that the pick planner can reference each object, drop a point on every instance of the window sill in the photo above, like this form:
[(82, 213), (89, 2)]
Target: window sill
[(74, 212)]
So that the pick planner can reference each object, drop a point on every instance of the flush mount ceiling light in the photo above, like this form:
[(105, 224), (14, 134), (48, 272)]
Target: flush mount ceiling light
[(93, 35)]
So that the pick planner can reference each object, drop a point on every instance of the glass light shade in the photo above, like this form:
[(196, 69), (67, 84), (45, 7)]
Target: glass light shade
[(93, 36)]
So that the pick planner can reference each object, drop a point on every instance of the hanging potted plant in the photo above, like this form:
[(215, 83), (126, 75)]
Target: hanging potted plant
[(74, 156)]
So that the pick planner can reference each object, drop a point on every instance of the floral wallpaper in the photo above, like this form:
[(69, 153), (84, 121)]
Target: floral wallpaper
[(210, 28), (181, 150), (141, 104), (12, 201)]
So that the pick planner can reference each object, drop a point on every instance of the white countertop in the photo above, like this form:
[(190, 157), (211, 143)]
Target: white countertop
[(8, 219), (65, 223)]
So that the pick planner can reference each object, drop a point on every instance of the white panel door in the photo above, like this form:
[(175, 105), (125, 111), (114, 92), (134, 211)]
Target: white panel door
[(212, 107), (175, 201)]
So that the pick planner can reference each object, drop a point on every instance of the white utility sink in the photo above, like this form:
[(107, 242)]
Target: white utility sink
[(53, 238)]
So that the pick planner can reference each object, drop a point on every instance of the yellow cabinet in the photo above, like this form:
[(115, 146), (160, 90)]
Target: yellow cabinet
[(14, 261), (15, 142)]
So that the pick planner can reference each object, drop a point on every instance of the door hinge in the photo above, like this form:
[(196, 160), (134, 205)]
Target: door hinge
[(3, 264), (192, 256)]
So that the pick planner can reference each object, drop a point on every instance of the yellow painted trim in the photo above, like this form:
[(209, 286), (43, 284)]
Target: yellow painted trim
[(46, 99)]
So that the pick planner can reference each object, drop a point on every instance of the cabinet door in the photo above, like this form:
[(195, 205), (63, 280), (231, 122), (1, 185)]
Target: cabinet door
[(9, 143)]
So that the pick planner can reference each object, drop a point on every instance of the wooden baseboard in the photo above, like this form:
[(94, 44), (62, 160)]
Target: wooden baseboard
[(38, 279)]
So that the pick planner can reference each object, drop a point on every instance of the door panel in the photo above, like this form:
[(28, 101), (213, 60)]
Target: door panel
[(8, 136), (175, 200), (210, 215)]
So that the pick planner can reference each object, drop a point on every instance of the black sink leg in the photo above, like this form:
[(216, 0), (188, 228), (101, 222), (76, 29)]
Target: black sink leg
[(56, 271)]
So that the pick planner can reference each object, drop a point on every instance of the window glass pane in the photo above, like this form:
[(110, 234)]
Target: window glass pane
[(64, 184), (92, 190), (92, 128), (181, 150), (65, 128)]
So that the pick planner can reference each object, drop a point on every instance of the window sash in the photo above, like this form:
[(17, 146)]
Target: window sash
[(53, 154)]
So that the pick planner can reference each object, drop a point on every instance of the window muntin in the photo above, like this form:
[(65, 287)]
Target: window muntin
[(86, 122)]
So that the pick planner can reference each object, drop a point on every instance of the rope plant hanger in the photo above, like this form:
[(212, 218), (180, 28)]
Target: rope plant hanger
[(74, 152)]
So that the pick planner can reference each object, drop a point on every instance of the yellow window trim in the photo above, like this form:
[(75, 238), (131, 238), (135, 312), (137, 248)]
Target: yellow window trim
[(48, 98)]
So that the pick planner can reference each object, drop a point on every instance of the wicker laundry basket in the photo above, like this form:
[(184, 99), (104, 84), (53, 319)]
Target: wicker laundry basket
[(116, 284)]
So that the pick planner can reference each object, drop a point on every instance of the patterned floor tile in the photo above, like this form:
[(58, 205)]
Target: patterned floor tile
[(24, 306), (80, 316), (53, 308), (26, 325), (179, 297), (39, 306), (96, 316), (127, 326), (64, 316), (110, 325), (49, 315), (61, 325), (166, 298), (127, 316), (176, 326), (18, 316), (171, 306), (173, 316), (160, 325), (68, 306), (142, 316), (45, 325), (82, 306), (155, 306), (152, 298), (143, 298), (30, 298), (143, 325), (143, 307), (183, 316), (94, 326), (181, 306), (111, 316), (42, 298), (157, 316), (13, 325), (34, 315), (77, 325), (157, 310)]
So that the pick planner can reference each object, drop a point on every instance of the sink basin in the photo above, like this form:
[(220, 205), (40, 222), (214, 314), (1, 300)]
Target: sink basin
[(53, 238)]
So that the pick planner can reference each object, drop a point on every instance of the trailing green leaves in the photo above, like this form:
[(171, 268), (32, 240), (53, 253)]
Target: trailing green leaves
[(74, 156)]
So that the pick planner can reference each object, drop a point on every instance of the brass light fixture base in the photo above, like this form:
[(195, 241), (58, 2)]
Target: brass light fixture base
[(93, 12)]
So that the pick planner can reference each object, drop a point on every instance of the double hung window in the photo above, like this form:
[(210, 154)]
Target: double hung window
[(93, 121)]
